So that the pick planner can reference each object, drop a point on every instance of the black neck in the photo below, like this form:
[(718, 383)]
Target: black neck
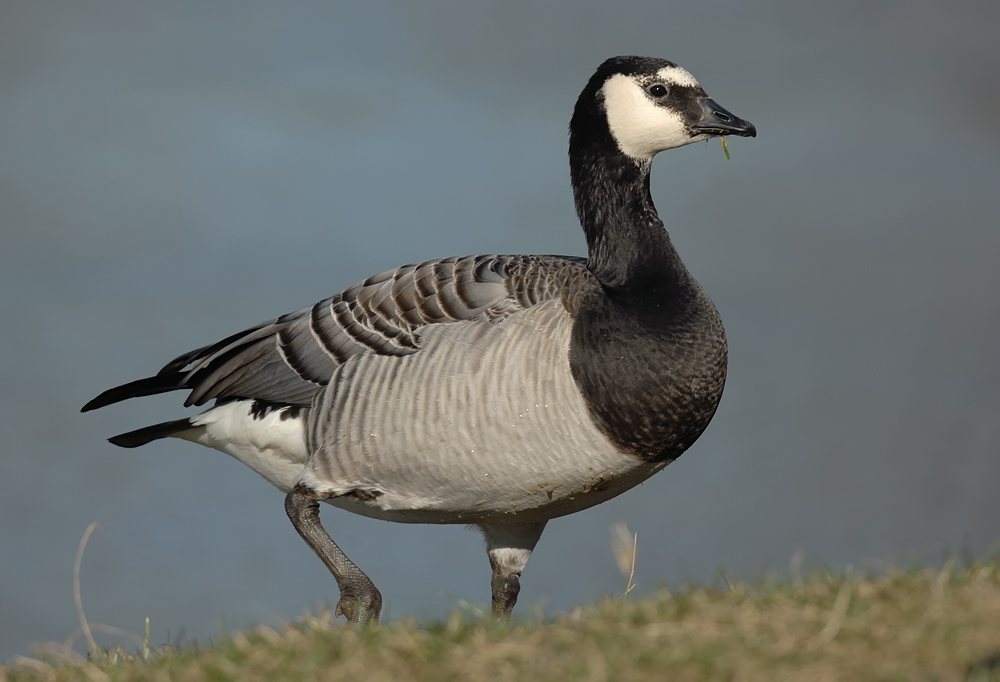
[(628, 248)]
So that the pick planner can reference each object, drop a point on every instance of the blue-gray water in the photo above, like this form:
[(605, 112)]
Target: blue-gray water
[(172, 173)]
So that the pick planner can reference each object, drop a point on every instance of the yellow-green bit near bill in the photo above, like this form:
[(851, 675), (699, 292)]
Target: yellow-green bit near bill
[(725, 148)]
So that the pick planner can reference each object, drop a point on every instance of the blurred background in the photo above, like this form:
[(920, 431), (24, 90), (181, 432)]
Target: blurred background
[(171, 173)]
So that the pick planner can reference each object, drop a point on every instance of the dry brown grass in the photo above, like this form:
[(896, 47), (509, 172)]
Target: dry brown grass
[(907, 625)]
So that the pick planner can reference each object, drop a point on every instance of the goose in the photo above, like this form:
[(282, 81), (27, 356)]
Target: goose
[(492, 391)]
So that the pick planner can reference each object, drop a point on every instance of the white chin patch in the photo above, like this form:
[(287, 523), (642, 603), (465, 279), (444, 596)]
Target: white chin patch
[(640, 126)]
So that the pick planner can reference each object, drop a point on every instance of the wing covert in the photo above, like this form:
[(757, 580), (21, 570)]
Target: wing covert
[(288, 359)]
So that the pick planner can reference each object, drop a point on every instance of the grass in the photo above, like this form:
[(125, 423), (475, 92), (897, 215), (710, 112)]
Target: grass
[(905, 625)]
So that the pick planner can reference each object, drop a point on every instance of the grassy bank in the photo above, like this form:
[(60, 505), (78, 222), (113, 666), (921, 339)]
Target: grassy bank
[(907, 625)]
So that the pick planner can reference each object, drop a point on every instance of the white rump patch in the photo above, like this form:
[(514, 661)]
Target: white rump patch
[(640, 126), (273, 446)]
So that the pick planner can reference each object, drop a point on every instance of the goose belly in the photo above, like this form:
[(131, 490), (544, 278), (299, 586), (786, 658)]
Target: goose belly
[(485, 420)]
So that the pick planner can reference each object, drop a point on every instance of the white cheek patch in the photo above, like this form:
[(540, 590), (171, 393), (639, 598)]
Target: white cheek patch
[(640, 126)]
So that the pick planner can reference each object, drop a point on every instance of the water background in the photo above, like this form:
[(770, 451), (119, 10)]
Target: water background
[(171, 173)]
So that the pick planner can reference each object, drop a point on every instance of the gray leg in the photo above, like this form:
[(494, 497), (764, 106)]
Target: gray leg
[(509, 547), (360, 600)]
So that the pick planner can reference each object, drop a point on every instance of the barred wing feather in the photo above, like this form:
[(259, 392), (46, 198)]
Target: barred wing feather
[(288, 359)]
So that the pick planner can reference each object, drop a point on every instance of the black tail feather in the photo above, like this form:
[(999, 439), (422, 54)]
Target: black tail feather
[(134, 439), (161, 383)]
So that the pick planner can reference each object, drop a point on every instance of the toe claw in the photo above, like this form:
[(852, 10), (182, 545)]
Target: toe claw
[(360, 608)]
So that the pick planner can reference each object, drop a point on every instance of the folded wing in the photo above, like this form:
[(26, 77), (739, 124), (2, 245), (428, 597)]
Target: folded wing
[(288, 359)]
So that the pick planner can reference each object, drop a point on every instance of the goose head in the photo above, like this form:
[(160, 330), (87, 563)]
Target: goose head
[(638, 106)]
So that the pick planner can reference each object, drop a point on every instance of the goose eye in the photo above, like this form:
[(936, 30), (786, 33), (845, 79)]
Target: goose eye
[(657, 90)]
